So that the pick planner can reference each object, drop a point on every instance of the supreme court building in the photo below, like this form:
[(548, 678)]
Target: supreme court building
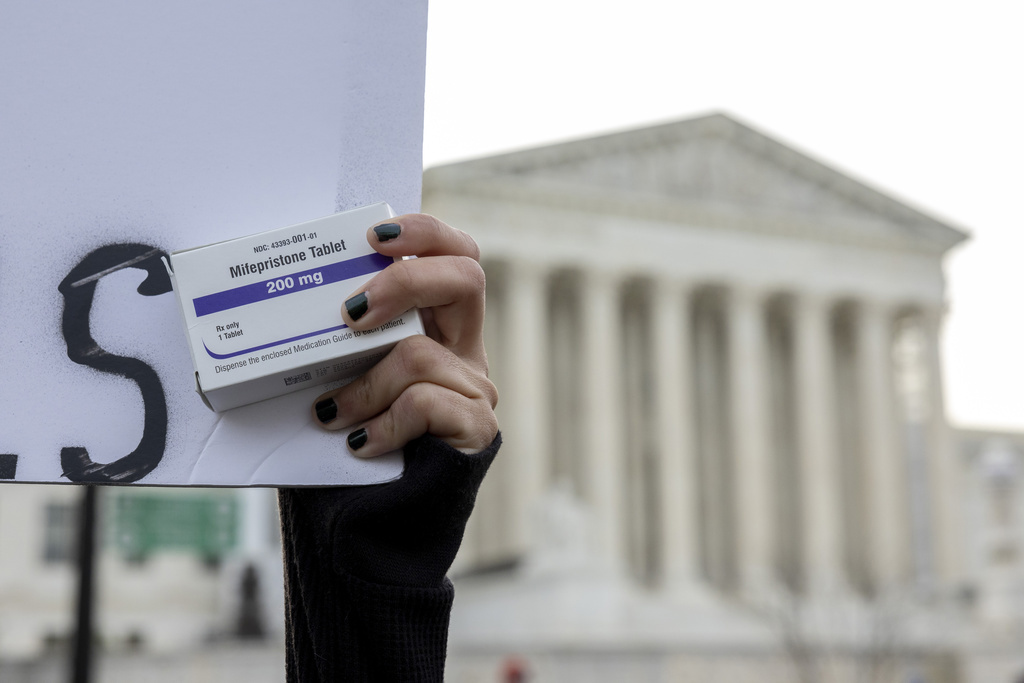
[(726, 453)]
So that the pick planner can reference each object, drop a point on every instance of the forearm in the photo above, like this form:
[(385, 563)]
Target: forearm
[(367, 596)]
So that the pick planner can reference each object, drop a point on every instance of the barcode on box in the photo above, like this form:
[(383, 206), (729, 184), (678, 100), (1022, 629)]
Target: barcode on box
[(295, 379)]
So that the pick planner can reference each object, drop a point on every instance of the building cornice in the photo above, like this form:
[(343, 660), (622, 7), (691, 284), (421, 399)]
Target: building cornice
[(508, 177), (840, 230)]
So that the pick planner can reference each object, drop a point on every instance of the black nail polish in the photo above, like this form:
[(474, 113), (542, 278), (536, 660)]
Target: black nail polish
[(388, 231), (356, 306), (357, 439), (326, 410)]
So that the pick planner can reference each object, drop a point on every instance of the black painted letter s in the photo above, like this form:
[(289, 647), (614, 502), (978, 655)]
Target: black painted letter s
[(78, 289)]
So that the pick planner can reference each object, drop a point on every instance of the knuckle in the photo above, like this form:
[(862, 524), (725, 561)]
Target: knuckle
[(472, 273), (491, 393), (472, 248), (443, 232), (485, 425), (416, 401), (417, 355), (433, 224), (491, 424), (402, 278), (361, 392), (421, 344), (483, 363), (387, 425), (453, 367)]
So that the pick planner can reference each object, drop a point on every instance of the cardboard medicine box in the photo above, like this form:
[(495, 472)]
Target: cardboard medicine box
[(263, 312)]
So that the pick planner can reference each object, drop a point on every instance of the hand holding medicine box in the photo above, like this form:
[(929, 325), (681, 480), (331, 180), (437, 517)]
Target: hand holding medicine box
[(263, 312)]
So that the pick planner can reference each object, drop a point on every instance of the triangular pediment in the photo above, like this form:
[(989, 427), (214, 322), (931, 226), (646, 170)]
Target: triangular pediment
[(708, 164)]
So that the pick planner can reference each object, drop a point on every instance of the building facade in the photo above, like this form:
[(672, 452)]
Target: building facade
[(721, 396)]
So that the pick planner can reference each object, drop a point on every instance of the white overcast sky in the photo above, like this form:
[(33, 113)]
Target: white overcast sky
[(923, 100)]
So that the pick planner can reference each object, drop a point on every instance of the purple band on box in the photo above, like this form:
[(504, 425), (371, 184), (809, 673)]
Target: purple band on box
[(290, 283)]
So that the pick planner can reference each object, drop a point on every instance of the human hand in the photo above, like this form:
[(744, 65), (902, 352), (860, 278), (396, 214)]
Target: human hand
[(434, 384)]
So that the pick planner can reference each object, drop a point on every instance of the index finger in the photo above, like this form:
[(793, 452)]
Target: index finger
[(418, 234)]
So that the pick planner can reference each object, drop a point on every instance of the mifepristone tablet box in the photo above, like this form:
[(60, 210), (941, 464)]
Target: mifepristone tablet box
[(263, 312)]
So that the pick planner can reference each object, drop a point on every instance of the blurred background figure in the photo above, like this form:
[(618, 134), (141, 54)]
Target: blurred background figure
[(514, 670)]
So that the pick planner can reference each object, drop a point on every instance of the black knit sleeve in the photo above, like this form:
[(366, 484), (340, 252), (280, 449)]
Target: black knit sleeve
[(365, 588)]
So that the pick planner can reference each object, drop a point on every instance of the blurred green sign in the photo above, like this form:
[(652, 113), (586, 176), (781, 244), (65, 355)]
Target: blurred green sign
[(141, 524)]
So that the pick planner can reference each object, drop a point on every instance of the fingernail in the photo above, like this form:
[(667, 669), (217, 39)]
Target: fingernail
[(357, 305), (357, 439), (326, 410), (388, 231)]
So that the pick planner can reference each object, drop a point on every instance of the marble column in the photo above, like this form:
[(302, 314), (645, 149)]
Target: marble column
[(818, 452), (945, 472), (526, 395), (885, 466), (603, 417), (487, 539), (715, 453), (748, 394), (677, 450)]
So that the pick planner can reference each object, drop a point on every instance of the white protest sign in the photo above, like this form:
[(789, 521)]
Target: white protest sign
[(129, 130)]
